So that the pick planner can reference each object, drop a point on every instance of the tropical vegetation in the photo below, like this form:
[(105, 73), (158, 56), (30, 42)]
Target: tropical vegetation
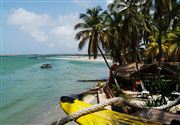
[(132, 30)]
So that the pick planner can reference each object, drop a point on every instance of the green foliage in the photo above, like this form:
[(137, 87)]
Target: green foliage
[(153, 47), (125, 25), (174, 44), (162, 89), (90, 30)]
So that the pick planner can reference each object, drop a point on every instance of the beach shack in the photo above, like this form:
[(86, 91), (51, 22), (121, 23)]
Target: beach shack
[(168, 74), (123, 74)]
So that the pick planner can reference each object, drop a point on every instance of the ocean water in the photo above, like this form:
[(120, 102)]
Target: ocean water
[(30, 95)]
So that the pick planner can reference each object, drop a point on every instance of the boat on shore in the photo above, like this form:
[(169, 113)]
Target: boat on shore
[(71, 105)]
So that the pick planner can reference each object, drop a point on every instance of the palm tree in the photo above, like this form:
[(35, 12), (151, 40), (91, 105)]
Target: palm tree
[(174, 40), (133, 23), (91, 31), (153, 47), (116, 44), (165, 12)]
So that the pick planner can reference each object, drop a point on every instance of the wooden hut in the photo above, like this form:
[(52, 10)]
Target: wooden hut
[(127, 70), (168, 72), (124, 72)]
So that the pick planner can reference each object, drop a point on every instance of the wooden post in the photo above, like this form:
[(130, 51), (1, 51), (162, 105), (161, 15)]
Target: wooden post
[(98, 97), (178, 85)]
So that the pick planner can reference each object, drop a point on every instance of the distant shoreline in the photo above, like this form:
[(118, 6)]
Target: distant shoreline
[(73, 57), (39, 55), (82, 58)]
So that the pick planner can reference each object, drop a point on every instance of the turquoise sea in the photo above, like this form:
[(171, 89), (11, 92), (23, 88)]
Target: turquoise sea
[(29, 94)]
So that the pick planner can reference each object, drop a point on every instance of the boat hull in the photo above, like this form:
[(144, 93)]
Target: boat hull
[(103, 117)]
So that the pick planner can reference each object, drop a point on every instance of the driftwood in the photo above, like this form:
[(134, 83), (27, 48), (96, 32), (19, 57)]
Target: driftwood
[(98, 107), (170, 104), (94, 108), (156, 113), (94, 80)]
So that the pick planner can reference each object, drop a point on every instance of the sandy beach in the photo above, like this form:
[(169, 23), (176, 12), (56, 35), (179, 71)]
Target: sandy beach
[(48, 50), (82, 58)]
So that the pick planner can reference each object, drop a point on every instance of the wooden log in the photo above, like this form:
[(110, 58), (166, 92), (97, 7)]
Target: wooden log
[(169, 105), (94, 80)]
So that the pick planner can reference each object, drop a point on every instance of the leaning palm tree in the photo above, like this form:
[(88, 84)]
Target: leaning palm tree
[(91, 31)]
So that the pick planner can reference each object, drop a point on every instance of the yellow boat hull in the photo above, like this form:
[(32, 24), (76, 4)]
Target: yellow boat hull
[(103, 117)]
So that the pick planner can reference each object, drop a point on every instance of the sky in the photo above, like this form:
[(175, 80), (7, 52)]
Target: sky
[(42, 26)]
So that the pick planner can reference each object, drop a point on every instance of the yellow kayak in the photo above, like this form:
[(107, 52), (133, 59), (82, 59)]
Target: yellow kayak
[(103, 117)]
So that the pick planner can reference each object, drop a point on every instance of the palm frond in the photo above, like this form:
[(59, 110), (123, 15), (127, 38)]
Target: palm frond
[(83, 16), (82, 42), (172, 49), (81, 33), (80, 26)]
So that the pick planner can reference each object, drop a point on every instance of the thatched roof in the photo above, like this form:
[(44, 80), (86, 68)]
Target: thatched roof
[(127, 69), (173, 67), (170, 69)]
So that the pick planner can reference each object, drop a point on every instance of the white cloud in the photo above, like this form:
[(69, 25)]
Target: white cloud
[(62, 31), (109, 1), (71, 18), (53, 32), (31, 23), (65, 26)]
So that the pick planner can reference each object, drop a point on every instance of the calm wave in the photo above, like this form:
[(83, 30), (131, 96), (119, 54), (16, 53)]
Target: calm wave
[(27, 91)]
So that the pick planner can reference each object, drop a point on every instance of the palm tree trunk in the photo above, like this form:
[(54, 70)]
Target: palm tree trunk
[(103, 57), (159, 43), (134, 49), (139, 55), (123, 58), (118, 87)]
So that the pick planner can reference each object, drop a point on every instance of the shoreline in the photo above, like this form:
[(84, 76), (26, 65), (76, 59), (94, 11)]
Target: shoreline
[(81, 58), (51, 116), (88, 96)]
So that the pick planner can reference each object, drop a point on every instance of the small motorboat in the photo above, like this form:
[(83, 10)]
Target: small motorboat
[(46, 66)]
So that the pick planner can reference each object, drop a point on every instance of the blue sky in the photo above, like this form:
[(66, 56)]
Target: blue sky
[(42, 26)]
